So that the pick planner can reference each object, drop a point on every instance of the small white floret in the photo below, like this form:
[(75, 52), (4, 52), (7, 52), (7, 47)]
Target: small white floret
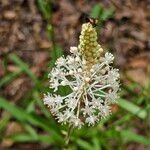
[(71, 60), (71, 72), (84, 62), (73, 49), (63, 83), (79, 70), (101, 50), (87, 79), (75, 88), (91, 70), (77, 59)]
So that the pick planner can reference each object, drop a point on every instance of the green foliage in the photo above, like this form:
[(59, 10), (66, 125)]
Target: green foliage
[(115, 129), (132, 108), (45, 8), (84, 144), (101, 13), (9, 77), (97, 137), (128, 136), (24, 67), (56, 53), (33, 119)]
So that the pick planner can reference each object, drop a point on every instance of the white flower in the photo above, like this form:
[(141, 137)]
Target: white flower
[(91, 91), (108, 59), (105, 110), (73, 49), (91, 120), (111, 97)]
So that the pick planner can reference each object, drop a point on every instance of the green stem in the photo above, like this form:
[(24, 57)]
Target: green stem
[(67, 138)]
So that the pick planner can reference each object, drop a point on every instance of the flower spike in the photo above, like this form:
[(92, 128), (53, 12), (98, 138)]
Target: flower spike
[(92, 82)]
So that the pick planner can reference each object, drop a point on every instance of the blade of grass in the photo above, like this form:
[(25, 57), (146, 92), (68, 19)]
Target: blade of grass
[(41, 104), (132, 108), (96, 11), (45, 8), (102, 14), (55, 54), (99, 12), (31, 131), (123, 120), (9, 78), (107, 13), (33, 119), (23, 66), (3, 121), (24, 137), (31, 107), (84, 145), (131, 136), (96, 144)]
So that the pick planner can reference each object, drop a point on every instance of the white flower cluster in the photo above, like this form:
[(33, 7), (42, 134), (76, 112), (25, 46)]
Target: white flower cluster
[(90, 96)]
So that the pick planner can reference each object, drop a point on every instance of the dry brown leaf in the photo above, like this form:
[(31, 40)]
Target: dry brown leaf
[(12, 128), (10, 15), (17, 88), (138, 75), (13, 68), (2, 71)]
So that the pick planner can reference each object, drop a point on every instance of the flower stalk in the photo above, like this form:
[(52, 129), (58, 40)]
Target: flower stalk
[(67, 138)]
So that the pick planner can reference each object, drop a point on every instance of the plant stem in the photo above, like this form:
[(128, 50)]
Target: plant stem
[(67, 138)]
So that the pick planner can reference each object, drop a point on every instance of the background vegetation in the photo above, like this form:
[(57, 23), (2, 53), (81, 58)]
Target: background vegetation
[(34, 34)]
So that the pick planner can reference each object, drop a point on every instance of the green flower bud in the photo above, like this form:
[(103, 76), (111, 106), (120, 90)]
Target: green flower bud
[(88, 46)]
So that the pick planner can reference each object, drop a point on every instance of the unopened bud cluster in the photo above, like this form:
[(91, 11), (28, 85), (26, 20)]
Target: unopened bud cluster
[(92, 82), (89, 48)]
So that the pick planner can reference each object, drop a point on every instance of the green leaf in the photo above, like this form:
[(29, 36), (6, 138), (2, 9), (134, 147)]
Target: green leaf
[(23, 66), (132, 108), (101, 13), (33, 119), (130, 136), (96, 143), (3, 121), (6, 79), (84, 145), (56, 53), (31, 131), (96, 11), (41, 104), (45, 8), (123, 119), (31, 106), (24, 137), (106, 14)]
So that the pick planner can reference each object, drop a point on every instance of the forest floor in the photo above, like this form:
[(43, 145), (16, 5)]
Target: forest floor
[(26, 31)]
